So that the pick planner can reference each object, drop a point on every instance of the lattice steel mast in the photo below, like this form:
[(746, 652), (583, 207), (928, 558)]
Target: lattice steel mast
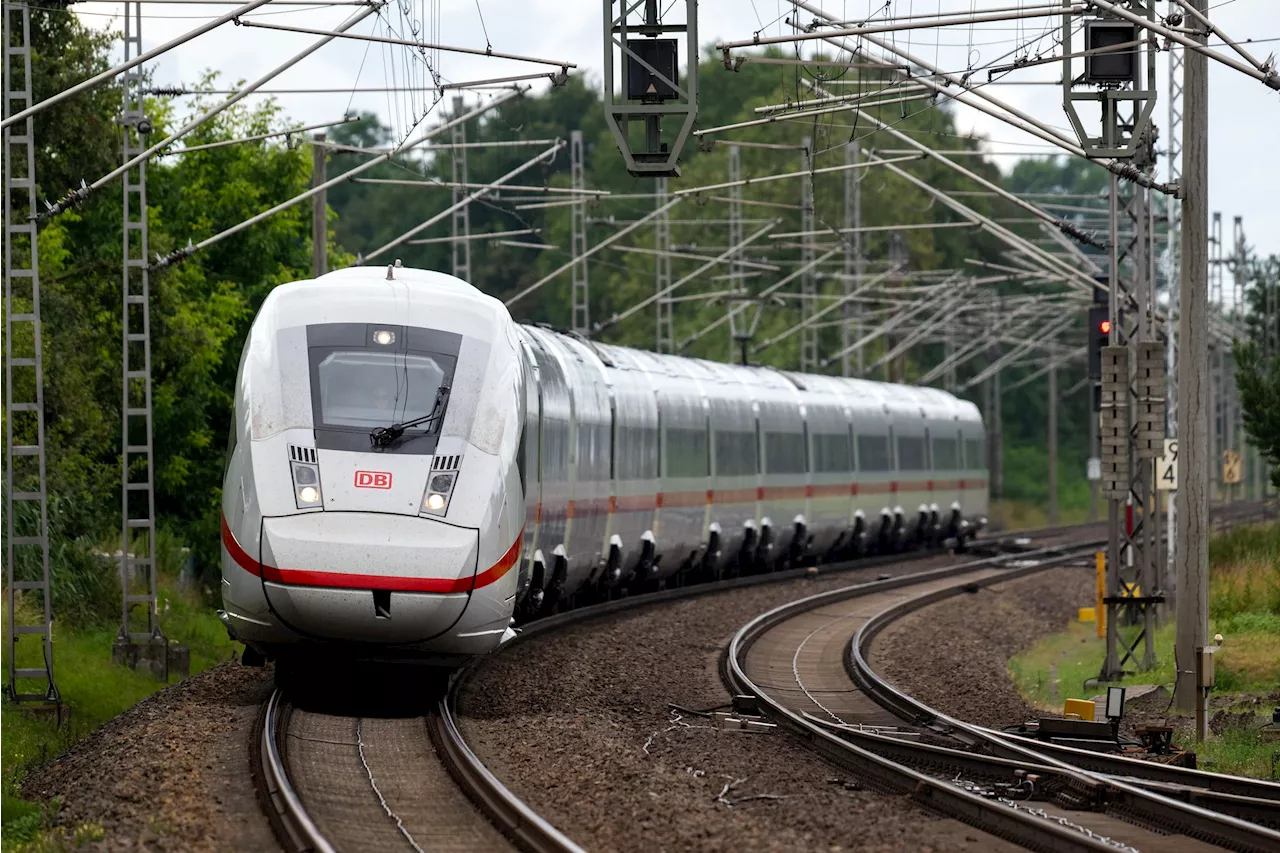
[(854, 262), (581, 322), (137, 497), (1173, 214), (739, 332), (662, 271), (461, 219), (25, 494), (808, 280)]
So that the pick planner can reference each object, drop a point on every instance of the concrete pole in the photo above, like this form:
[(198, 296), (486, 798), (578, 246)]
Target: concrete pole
[(1192, 544), (319, 209), (1053, 443)]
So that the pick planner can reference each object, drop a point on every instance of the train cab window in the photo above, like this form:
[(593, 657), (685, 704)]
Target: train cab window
[(735, 454), (911, 454), (946, 456), (975, 453), (831, 453), (873, 453), (365, 377), (687, 453), (370, 389), (784, 452)]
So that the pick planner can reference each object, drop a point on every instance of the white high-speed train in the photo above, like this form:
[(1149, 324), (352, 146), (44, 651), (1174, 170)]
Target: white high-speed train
[(409, 470)]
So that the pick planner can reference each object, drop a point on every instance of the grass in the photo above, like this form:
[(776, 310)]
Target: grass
[(95, 690), (1244, 606), (1020, 515)]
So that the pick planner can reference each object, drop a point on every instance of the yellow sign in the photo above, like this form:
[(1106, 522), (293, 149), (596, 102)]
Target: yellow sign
[(1086, 614), (1082, 708), (1231, 466), (1099, 612)]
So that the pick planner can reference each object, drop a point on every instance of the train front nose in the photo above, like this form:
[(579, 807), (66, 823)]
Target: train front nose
[(367, 576)]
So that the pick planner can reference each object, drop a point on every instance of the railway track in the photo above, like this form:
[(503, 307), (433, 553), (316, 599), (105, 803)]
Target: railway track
[(805, 663), (318, 787), (388, 782), (409, 781)]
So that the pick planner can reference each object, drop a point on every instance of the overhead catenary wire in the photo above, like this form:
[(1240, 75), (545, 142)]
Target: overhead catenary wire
[(515, 57), (591, 251), (983, 101), (77, 196), (190, 249), (470, 197), (114, 71), (258, 137)]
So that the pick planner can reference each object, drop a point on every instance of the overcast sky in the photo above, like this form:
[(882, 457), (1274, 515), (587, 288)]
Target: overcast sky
[(1244, 115)]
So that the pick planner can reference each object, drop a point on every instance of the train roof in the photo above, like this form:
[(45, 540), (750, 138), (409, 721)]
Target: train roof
[(412, 297)]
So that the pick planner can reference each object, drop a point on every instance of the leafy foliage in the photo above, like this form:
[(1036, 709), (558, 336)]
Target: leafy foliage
[(1258, 362), (201, 308)]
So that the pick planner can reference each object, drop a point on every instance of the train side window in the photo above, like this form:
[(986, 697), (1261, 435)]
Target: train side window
[(873, 453), (735, 453), (975, 453), (911, 453), (945, 454), (613, 439), (662, 448), (687, 453), (784, 452), (759, 451), (831, 453)]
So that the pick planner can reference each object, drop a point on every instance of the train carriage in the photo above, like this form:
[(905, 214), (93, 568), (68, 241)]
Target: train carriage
[(409, 470)]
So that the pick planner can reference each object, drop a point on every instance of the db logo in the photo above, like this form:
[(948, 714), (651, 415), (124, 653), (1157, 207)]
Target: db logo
[(373, 479)]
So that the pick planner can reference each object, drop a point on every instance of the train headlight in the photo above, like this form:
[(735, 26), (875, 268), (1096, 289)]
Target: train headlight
[(439, 487), (306, 485), (384, 337)]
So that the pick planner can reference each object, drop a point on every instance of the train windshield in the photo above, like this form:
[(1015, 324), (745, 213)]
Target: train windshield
[(374, 377), (365, 389)]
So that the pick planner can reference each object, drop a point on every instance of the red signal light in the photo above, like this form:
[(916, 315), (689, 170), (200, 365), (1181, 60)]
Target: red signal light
[(1105, 327)]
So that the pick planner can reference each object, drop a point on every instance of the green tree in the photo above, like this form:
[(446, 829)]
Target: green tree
[(200, 309), (1258, 362)]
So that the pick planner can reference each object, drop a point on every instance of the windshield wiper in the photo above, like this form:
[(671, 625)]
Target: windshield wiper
[(386, 436)]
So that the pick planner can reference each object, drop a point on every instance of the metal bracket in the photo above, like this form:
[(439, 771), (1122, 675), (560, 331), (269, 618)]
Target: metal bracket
[(666, 98), (1123, 133)]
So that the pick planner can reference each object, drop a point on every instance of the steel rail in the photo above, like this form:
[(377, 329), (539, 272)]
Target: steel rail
[(1219, 827), (936, 794), (516, 820), (293, 826), (298, 832), (519, 823)]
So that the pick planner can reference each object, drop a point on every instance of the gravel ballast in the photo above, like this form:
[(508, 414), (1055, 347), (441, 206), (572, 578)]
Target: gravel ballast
[(954, 655), (577, 724), (170, 773)]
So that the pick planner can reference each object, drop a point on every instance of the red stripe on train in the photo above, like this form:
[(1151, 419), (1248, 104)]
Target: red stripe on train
[(344, 580)]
